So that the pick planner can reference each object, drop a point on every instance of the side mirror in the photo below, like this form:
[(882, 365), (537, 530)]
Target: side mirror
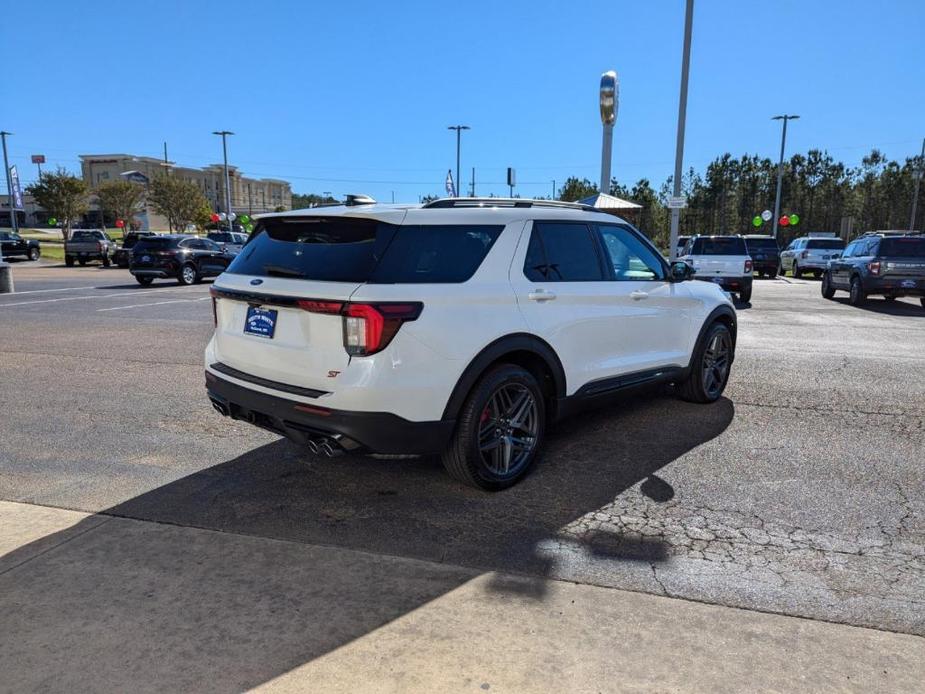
[(680, 271), (836, 254)]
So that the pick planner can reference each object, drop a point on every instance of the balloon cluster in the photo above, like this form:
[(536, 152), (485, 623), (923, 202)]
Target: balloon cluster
[(789, 220)]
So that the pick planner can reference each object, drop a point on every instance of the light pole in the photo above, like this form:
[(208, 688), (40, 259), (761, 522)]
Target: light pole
[(553, 190), (917, 171), (458, 129), (780, 169), (6, 274), (610, 101), (225, 134), (682, 118)]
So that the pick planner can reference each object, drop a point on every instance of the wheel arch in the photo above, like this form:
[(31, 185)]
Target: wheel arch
[(522, 349), (721, 314)]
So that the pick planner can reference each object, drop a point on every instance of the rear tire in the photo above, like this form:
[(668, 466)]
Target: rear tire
[(745, 296), (797, 272), (188, 275), (82, 261), (710, 366), (144, 281), (34, 254), (889, 298), (499, 431), (922, 301), (69, 260), (856, 294), (106, 261), (828, 291)]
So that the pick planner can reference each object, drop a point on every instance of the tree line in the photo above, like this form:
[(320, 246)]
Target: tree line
[(825, 193)]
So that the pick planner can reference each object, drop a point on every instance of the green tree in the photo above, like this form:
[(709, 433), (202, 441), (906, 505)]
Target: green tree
[(302, 201), (576, 189), (63, 196), (121, 199), (181, 202)]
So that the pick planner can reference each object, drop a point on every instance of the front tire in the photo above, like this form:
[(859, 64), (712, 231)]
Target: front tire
[(499, 431), (828, 291), (856, 294), (34, 254), (106, 261), (188, 275), (710, 366)]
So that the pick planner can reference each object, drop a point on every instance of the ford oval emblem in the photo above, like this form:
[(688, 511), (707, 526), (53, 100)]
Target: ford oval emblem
[(256, 282)]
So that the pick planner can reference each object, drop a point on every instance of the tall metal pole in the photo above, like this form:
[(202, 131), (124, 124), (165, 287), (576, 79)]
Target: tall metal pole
[(780, 171), (553, 190), (472, 186), (609, 101), (166, 163), (682, 119), (9, 187), (224, 134), (458, 129), (918, 171)]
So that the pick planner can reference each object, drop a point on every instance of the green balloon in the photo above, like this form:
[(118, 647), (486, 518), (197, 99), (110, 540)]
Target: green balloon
[(756, 220), (794, 220), (52, 221), (244, 219)]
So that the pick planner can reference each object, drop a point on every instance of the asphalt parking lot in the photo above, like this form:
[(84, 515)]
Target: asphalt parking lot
[(798, 493)]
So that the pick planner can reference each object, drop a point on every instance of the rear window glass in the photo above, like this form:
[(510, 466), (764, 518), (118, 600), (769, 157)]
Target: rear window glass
[(222, 237), (342, 249), (83, 235), (761, 244), (154, 244), (903, 248), (825, 243), (721, 245)]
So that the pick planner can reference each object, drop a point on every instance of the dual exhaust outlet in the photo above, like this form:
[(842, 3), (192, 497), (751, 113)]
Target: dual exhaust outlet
[(326, 445)]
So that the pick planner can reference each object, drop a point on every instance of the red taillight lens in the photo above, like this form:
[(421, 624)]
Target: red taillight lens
[(874, 267), (369, 328), (214, 313), (99, 246), (748, 265), (316, 306)]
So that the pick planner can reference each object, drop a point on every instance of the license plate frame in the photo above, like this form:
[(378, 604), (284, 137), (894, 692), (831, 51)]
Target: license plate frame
[(907, 284), (261, 322), (717, 280)]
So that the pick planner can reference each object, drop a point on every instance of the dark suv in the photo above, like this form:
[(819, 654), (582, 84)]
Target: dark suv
[(123, 254), (884, 264), (187, 258), (764, 252)]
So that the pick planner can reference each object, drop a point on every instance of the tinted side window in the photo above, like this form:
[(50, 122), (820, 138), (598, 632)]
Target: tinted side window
[(435, 253), (849, 251), (632, 259), (562, 253)]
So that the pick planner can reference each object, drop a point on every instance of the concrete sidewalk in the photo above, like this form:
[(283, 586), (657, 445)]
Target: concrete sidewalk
[(104, 604)]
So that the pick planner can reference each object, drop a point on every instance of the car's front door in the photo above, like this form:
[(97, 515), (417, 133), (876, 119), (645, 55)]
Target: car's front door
[(839, 267)]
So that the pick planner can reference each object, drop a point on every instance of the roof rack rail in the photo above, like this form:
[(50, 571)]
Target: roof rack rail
[(508, 202)]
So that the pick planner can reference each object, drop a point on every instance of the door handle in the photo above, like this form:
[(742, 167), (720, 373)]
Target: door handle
[(541, 295), (637, 295)]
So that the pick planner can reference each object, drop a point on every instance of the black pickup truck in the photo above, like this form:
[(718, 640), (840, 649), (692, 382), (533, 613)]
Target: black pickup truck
[(765, 254), (15, 245)]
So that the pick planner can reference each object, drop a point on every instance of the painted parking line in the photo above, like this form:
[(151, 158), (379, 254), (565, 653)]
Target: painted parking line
[(156, 303), (63, 289), (88, 296)]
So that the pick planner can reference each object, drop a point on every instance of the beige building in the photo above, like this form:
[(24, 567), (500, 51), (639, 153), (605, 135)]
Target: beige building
[(248, 195)]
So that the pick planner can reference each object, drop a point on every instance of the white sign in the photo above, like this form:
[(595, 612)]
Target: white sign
[(678, 203), (766, 215)]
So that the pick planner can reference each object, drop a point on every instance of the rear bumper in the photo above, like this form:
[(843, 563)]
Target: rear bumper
[(375, 432), (894, 287), (153, 272)]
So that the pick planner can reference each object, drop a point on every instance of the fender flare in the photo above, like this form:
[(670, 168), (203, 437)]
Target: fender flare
[(715, 314), (516, 342)]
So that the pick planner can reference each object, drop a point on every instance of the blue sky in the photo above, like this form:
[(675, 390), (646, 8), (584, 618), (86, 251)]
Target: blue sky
[(356, 97)]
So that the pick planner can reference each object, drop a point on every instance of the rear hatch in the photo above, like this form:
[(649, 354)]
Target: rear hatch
[(903, 258), (278, 304), (153, 251), (820, 251), (763, 251), (722, 256)]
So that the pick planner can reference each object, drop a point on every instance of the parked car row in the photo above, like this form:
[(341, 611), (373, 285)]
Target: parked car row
[(184, 257)]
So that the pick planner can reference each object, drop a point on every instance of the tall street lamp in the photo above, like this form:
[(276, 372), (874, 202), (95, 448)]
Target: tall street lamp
[(780, 169), (225, 134), (609, 101), (458, 129), (9, 188), (917, 170), (679, 144)]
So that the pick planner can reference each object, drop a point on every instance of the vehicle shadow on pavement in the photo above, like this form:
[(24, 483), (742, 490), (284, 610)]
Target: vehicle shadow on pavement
[(137, 606), (888, 308)]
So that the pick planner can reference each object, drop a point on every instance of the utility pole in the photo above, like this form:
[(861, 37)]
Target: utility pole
[(458, 129), (228, 212), (780, 171), (250, 201), (553, 190), (682, 118), (472, 184), (166, 163), (918, 171)]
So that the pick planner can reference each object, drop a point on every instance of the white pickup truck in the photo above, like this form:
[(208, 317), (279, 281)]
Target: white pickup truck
[(723, 260)]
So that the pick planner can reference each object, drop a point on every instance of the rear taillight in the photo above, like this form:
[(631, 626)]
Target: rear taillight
[(213, 294), (804, 254), (99, 246), (748, 266), (368, 328), (874, 267)]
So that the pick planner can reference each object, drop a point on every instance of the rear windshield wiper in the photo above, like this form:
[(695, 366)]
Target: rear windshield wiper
[(280, 271)]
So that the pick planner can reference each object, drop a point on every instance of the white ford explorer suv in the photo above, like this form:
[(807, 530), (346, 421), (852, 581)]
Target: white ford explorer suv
[(723, 260), (463, 327)]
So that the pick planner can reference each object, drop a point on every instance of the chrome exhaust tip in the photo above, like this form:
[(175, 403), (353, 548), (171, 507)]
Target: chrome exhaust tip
[(220, 408), (312, 445)]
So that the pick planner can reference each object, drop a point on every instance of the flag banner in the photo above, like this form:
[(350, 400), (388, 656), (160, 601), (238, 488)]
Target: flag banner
[(17, 190), (450, 187)]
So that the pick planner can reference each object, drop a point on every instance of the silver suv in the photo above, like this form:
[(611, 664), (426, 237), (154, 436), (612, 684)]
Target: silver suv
[(810, 254)]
